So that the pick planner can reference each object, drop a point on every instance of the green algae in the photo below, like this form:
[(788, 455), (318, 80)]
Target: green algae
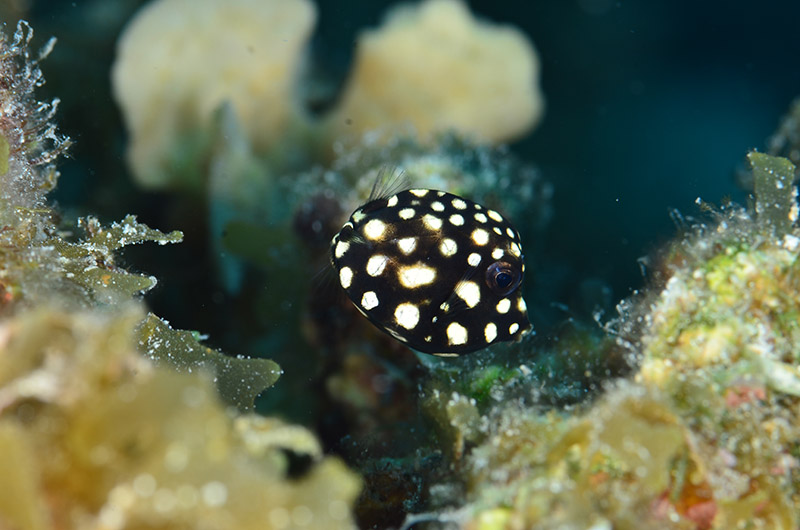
[(5, 151), (776, 197), (238, 379)]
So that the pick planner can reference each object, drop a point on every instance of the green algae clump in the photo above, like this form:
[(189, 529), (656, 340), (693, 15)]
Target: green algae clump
[(110, 419)]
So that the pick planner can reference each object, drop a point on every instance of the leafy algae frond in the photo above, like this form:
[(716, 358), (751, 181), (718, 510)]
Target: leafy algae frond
[(776, 196), (239, 380)]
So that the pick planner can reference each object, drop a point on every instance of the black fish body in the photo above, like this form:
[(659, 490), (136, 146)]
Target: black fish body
[(438, 272)]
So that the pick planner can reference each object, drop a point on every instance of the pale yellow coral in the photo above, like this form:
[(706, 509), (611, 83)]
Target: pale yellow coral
[(107, 440), (179, 60), (432, 67), (435, 67)]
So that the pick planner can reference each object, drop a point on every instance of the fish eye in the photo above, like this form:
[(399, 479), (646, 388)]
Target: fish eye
[(502, 278)]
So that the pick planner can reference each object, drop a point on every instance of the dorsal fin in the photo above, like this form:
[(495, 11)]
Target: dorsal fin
[(389, 181)]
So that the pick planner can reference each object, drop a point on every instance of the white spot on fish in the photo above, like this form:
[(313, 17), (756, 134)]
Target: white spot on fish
[(432, 222), (457, 219), (406, 213), (456, 334), (503, 306), (341, 248), (480, 236), (515, 249), (407, 315), (459, 204), (436, 206), (414, 276), (474, 259), (369, 300), (358, 215), (469, 292), (481, 218), (490, 332), (497, 253), (448, 247), (374, 229), (376, 264), (392, 202), (418, 193), (513, 328), (407, 245), (345, 276), (495, 216)]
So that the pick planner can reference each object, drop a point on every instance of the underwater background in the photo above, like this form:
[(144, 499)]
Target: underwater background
[(640, 108), (648, 106)]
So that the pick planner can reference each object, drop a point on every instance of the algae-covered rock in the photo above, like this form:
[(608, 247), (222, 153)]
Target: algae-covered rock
[(704, 437)]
